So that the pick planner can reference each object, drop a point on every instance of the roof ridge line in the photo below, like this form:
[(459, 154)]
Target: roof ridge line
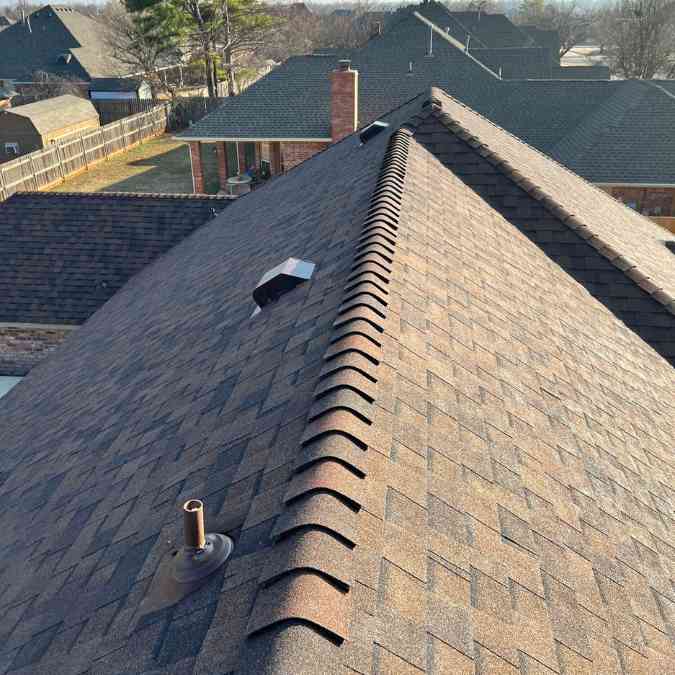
[(651, 83), (309, 573), (459, 46), (630, 268)]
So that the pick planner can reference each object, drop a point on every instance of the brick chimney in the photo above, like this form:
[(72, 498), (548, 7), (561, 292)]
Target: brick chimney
[(344, 100)]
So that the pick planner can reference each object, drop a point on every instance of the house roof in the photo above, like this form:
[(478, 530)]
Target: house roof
[(596, 72), (64, 255), (293, 102), (441, 454), (515, 63), (52, 114), (493, 30), (50, 33), (116, 84)]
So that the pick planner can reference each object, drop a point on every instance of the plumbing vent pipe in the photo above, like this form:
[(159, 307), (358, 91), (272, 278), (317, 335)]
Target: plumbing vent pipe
[(202, 554), (193, 524)]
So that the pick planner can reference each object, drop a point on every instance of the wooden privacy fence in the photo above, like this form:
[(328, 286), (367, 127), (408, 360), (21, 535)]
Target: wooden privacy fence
[(43, 168), (182, 111)]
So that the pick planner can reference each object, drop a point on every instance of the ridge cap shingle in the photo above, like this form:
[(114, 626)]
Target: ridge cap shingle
[(333, 462)]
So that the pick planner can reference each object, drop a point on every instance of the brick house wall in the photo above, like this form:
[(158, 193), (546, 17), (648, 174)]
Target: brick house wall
[(654, 201), (293, 154), (22, 348)]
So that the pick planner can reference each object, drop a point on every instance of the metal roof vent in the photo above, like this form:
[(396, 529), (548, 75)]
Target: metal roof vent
[(281, 279), (372, 130), (202, 553)]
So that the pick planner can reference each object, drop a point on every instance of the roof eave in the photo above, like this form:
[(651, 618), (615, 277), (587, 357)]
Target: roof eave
[(255, 139)]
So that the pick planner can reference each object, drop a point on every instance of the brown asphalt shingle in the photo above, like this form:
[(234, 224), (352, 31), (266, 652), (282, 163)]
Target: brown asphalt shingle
[(448, 456)]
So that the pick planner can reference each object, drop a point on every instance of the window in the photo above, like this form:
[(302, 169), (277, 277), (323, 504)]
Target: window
[(11, 148), (6, 383)]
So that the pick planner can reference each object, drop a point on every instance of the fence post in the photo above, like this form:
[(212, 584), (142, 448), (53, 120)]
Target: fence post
[(33, 169), (84, 153), (59, 159)]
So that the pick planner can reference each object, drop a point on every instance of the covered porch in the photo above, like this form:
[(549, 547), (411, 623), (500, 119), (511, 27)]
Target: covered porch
[(259, 159)]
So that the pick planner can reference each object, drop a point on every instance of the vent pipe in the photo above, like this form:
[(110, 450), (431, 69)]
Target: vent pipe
[(193, 524), (430, 51), (201, 554)]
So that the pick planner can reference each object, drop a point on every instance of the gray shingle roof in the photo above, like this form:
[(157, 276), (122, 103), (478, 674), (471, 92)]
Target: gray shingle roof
[(581, 72), (440, 455), (628, 139), (55, 113), (516, 63), (55, 31), (293, 101), (493, 30), (64, 255)]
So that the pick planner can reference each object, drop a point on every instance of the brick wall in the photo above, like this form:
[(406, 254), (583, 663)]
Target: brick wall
[(649, 201), (23, 348), (293, 154), (344, 97), (197, 167)]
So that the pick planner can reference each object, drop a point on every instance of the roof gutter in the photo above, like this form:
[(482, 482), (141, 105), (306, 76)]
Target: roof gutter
[(38, 326), (636, 185), (235, 139)]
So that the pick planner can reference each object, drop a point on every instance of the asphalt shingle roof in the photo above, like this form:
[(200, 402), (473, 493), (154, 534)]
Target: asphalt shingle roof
[(293, 102), (55, 113), (64, 255), (55, 31), (442, 454)]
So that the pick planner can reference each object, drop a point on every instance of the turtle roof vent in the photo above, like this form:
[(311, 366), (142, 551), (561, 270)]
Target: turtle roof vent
[(372, 130), (281, 279)]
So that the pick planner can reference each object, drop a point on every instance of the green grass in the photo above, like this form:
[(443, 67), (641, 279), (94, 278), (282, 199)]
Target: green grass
[(161, 164)]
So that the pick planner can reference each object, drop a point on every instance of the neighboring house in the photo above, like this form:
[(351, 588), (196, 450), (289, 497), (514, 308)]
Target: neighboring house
[(447, 451), (64, 255), (33, 126), (617, 133), (119, 88), (58, 42)]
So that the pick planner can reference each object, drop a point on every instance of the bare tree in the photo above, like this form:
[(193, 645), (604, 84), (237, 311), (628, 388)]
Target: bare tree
[(639, 38), (46, 85), (572, 20), (139, 42)]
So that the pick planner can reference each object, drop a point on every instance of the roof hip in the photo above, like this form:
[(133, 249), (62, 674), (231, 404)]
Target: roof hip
[(301, 581)]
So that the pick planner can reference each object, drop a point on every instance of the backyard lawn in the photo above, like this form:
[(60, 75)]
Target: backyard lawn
[(159, 165)]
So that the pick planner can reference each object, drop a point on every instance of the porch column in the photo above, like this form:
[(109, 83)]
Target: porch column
[(275, 158), (197, 168), (241, 158), (223, 168)]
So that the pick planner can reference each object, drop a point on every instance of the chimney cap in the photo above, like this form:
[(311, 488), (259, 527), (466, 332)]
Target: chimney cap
[(344, 64)]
